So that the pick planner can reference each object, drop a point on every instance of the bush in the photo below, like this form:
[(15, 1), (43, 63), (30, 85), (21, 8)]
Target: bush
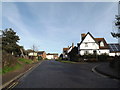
[(115, 63), (40, 58), (103, 57)]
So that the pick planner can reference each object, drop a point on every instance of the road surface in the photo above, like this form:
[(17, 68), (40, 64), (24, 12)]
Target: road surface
[(54, 74)]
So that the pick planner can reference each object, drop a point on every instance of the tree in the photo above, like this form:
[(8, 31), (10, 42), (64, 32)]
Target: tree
[(9, 42), (73, 54)]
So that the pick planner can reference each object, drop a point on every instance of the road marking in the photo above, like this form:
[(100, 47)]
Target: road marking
[(93, 69), (19, 76)]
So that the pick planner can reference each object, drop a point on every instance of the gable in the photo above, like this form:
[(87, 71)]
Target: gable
[(88, 38)]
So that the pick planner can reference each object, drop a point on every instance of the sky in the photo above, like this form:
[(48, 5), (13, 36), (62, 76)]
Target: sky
[(51, 26)]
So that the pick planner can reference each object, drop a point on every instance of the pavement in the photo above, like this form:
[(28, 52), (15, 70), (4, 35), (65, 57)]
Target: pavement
[(10, 77), (54, 74), (106, 70)]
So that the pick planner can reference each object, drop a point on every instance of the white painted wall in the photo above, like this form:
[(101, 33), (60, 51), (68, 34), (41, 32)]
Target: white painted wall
[(31, 54), (113, 54), (91, 44), (103, 51), (50, 56)]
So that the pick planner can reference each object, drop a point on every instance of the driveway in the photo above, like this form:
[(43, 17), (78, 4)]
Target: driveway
[(54, 74)]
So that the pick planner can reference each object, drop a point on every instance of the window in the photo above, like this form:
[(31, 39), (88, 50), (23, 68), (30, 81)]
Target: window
[(101, 44), (86, 52), (86, 45)]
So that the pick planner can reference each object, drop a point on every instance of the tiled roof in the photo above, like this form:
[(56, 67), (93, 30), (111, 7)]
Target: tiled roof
[(98, 40), (52, 54), (40, 52), (65, 49)]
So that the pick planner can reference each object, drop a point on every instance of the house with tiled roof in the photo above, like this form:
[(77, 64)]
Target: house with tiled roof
[(52, 56), (67, 50), (91, 45)]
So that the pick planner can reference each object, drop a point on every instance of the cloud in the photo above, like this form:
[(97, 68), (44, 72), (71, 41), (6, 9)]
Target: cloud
[(12, 14)]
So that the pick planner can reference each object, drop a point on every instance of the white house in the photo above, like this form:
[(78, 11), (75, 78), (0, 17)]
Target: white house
[(67, 50), (91, 45), (52, 56)]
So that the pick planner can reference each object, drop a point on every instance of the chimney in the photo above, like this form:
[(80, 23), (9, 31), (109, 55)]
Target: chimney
[(72, 45), (82, 36)]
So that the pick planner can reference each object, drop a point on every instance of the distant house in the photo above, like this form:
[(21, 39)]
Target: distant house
[(52, 56), (42, 54), (32, 55), (37, 54), (67, 50), (91, 45)]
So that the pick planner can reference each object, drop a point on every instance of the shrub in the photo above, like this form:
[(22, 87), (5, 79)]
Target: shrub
[(103, 57), (40, 58)]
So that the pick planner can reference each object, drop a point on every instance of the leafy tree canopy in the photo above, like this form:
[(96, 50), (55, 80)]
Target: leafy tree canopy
[(9, 41)]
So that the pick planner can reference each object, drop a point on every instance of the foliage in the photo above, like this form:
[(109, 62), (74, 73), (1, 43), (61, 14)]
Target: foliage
[(26, 61), (66, 61), (73, 54), (8, 69), (0, 70), (103, 57), (115, 63), (40, 58), (9, 42)]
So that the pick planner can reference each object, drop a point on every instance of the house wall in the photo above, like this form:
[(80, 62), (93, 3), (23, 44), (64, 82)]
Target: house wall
[(50, 56), (103, 51), (88, 45), (32, 54), (43, 55), (113, 54), (83, 52), (91, 44)]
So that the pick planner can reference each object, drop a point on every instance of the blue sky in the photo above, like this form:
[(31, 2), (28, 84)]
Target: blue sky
[(53, 25)]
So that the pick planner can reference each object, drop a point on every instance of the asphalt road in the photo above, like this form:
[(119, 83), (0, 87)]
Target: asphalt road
[(54, 74)]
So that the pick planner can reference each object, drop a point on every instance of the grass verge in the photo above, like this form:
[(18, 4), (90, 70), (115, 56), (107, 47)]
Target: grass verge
[(26, 61), (0, 70), (8, 69), (66, 61)]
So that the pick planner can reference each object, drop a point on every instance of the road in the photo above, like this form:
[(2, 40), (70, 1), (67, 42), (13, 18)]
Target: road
[(54, 74)]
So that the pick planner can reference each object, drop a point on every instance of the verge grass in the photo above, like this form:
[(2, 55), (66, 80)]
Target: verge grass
[(66, 61), (26, 61), (8, 69), (0, 70)]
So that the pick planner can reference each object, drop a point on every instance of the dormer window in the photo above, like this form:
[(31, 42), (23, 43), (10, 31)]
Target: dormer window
[(101, 44)]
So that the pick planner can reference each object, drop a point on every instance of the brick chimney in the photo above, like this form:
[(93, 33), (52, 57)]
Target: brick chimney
[(82, 36), (72, 45)]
